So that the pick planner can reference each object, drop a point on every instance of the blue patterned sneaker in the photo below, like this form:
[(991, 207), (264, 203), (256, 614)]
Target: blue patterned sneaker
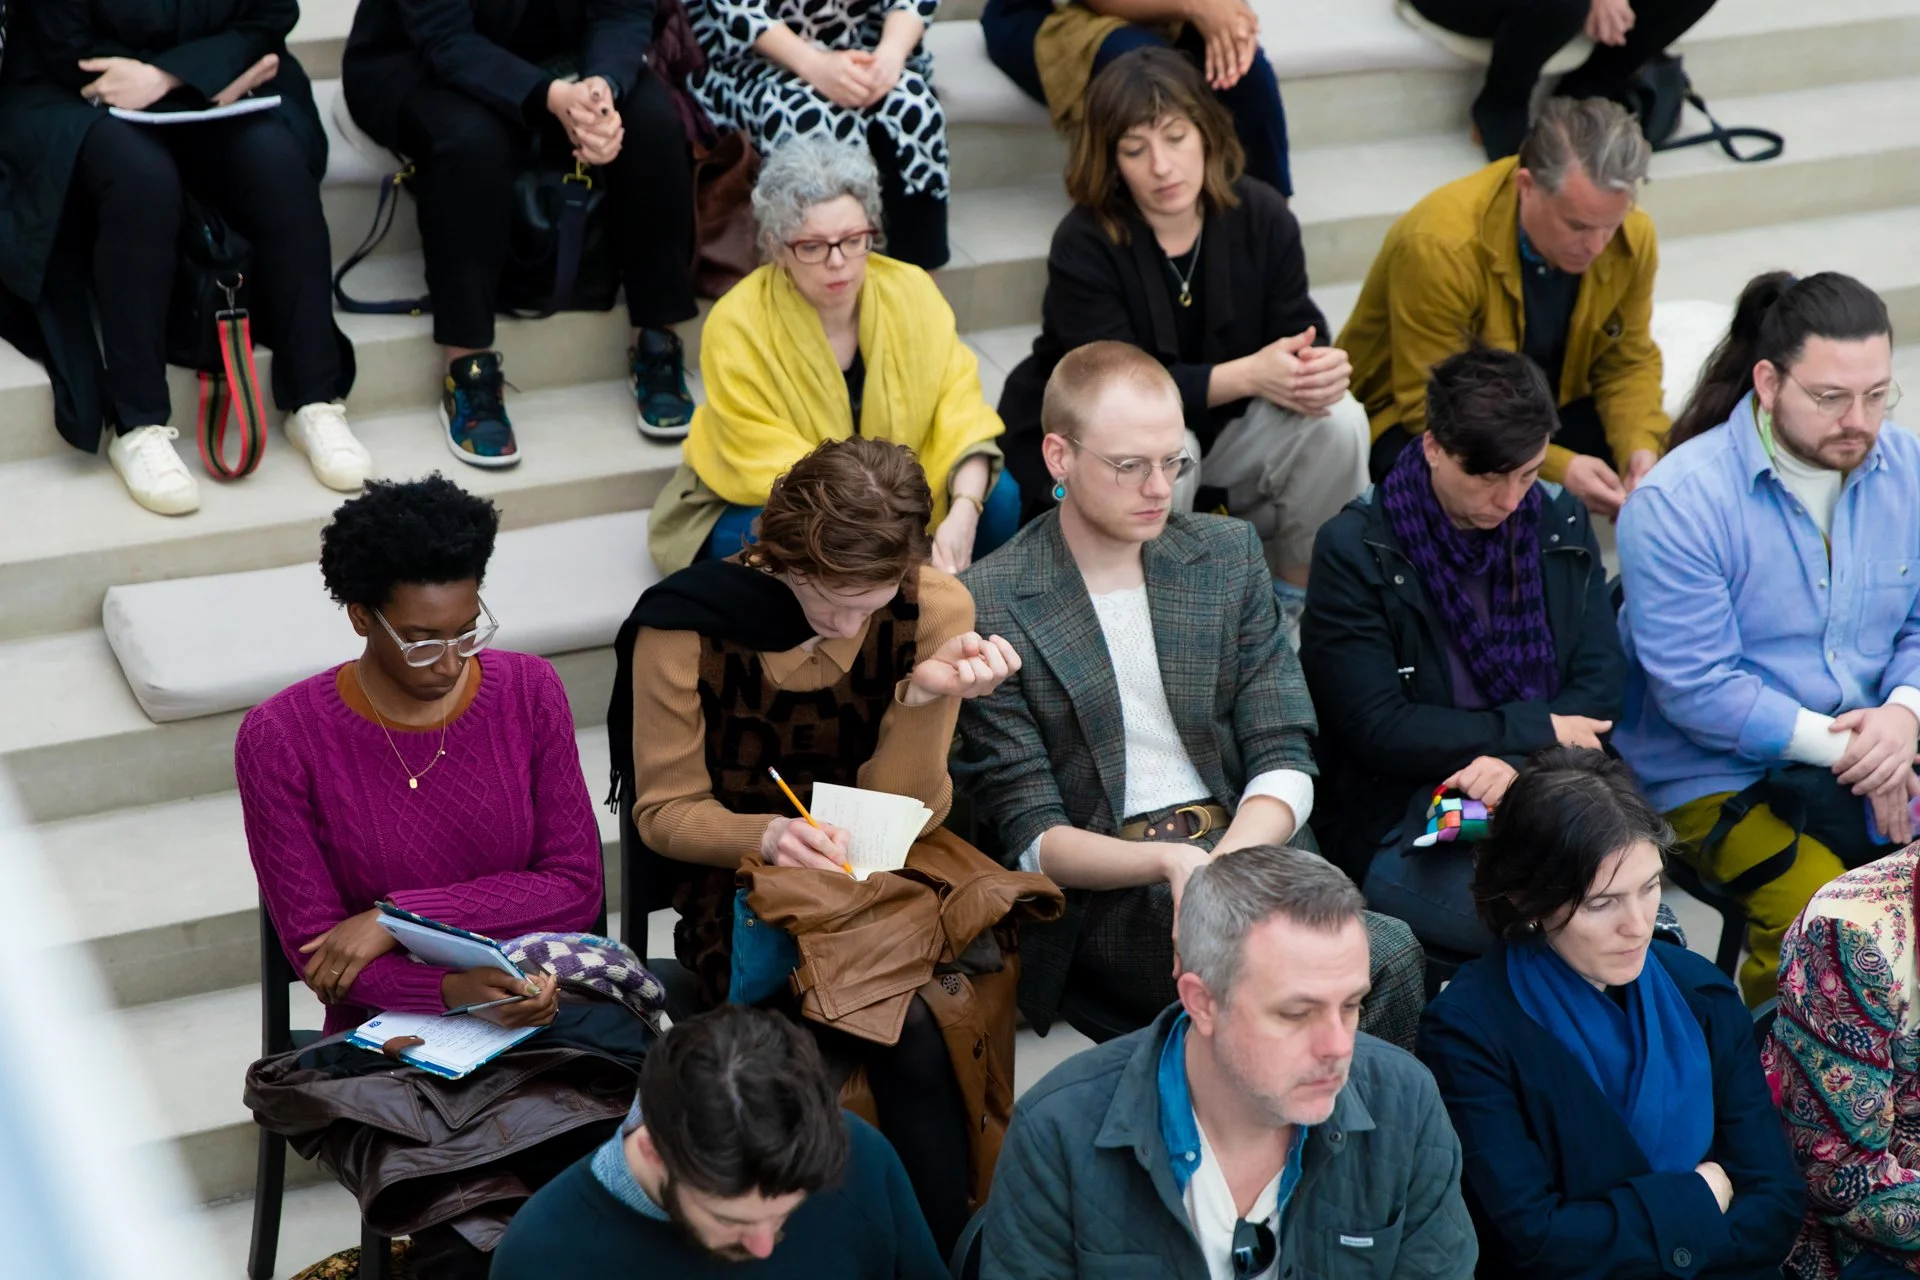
[(475, 414), (659, 379)]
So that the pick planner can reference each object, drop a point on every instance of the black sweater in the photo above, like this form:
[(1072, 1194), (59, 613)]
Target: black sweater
[(867, 1228), (1253, 288)]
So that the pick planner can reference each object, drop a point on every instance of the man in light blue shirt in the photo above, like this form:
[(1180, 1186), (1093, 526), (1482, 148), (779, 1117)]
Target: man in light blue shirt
[(1770, 626)]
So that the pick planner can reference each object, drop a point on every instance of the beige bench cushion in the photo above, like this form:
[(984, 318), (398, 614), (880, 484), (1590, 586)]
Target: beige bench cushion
[(200, 646)]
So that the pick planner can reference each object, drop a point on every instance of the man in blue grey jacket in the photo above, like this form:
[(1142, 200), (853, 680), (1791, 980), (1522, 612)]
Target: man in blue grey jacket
[(1772, 618), (1251, 1131)]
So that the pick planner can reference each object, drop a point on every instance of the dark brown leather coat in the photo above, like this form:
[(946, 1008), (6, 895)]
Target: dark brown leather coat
[(417, 1150)]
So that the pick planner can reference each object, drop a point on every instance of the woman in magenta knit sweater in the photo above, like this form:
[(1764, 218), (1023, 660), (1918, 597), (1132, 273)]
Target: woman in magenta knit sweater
[(425, 772), (453, 788)]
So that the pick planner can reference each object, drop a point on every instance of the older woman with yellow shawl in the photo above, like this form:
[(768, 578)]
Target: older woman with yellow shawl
[(825, 341)]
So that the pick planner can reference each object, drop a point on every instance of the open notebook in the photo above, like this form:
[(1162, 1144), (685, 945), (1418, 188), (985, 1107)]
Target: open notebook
[(454, 1047), (883, 826)]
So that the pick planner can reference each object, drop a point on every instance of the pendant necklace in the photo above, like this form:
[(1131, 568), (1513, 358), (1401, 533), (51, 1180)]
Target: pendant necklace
[(1186, 281), (413, 779)]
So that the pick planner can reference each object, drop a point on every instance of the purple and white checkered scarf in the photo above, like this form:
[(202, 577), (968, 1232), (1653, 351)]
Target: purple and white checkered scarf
[(1512, 658)]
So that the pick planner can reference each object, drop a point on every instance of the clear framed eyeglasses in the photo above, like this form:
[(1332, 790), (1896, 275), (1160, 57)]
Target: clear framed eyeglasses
[(1132, 473), (1833, 405), (424, 653)]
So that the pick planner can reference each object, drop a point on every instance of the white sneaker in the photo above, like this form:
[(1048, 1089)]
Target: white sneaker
[(320, 431), (153, 472)]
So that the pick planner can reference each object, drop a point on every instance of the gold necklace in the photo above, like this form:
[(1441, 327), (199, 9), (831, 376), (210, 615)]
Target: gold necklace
[(413, 779), (1186, 281)]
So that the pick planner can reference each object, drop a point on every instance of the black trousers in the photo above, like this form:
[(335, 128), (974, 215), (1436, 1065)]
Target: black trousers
[(125, 202), (921, 1110), (1525, 33), (916, 221), (466, 155)]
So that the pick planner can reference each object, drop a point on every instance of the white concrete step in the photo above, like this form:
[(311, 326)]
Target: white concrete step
[(72, 531), (1851, 147), (163, 896), (399, 366)]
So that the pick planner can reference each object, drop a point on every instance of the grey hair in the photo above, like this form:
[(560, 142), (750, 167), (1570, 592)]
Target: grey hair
[(1597, 136), (803, 173), (1228, 896)]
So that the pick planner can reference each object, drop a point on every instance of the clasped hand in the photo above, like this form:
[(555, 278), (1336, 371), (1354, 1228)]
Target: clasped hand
[(585, 110), (1296, 375), (854, 78)]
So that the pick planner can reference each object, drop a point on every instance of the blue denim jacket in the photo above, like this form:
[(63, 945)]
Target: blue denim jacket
[(1734, 618)]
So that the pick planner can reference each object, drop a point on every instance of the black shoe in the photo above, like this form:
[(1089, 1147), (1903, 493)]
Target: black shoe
[(474, 412), (658, 375)]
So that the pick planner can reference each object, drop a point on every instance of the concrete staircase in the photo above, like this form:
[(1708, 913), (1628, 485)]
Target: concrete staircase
[(140, 821)]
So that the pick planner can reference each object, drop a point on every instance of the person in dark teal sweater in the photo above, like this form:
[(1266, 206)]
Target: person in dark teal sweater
[(735, 1161)]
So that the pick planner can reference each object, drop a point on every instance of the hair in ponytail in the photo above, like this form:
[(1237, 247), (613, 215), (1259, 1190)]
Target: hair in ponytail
[(1772, 321)]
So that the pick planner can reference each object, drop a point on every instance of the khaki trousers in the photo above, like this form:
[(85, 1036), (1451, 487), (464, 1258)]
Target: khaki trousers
[(1285, 473)]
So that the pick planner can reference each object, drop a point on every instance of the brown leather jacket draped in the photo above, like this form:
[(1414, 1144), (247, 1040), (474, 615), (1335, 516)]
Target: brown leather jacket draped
[(943, 929), (417, 1150)]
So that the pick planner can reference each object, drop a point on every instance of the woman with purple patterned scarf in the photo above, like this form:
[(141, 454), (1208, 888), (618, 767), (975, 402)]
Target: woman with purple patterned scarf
[(1457, 620)]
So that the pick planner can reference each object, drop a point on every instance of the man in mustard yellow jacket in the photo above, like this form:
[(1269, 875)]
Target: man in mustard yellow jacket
[(1546, 254)]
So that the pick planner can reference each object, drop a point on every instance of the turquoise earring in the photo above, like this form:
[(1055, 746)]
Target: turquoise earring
[(1060, 491)]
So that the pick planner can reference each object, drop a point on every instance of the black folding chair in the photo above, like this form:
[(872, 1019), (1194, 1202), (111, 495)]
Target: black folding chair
[(1733, 914), (270, 1169), (965, 1264)]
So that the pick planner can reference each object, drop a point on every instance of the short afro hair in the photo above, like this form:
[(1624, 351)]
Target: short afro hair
[(401, 531)]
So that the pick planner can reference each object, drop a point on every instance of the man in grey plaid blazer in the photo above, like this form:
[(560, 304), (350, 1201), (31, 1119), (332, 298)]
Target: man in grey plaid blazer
[(1159, 716)]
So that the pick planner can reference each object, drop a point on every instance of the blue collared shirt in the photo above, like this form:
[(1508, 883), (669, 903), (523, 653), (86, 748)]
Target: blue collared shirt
[(1181, 1129), (1736, 617)]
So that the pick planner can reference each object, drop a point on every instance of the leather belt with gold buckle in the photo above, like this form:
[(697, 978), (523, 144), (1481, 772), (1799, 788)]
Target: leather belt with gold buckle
[(1184, 822)]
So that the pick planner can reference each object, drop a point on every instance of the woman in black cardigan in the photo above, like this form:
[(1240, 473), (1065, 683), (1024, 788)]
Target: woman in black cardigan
[(1457, 622), (1171, 249), (105, 197)]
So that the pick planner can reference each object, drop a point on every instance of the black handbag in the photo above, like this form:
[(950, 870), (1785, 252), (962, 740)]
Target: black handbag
[(559, 256), (1808, 799), (1661, 89), (208, 331)]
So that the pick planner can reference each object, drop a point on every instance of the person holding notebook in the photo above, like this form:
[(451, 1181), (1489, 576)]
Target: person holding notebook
[(432, 772), (832, 649)]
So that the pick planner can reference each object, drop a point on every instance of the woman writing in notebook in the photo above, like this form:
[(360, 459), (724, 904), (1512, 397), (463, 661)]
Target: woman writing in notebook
[(832, 649), (433, 772)]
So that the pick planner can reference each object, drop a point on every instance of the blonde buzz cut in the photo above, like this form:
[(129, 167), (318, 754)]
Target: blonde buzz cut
[(1085, 372)]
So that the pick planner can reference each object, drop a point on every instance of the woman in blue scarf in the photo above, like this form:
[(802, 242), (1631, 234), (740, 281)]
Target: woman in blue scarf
[(1613, 1117)]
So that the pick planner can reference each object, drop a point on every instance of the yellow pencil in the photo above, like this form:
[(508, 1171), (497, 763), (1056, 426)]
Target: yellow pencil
[(788, 792)]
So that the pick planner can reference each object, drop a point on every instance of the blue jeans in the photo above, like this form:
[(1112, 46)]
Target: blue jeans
[(999, 521), (1258, 118), (1432, 890)]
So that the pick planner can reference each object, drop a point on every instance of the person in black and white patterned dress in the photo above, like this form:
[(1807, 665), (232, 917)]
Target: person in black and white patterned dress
[(848, 69)]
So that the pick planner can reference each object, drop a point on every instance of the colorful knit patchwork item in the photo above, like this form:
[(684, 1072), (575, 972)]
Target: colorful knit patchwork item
[(1453, 817)]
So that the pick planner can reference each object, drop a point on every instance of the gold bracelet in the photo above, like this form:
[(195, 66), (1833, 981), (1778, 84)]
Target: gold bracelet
[(978, 505)]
